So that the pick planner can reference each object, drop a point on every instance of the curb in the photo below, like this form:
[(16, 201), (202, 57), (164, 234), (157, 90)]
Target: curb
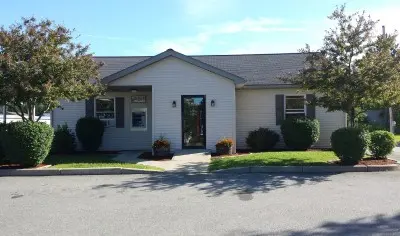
[(75, 171), (237, 170), (309, 169)]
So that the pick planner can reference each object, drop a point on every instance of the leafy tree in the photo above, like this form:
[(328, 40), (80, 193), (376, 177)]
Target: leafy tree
[(355, 70), (40, 64)]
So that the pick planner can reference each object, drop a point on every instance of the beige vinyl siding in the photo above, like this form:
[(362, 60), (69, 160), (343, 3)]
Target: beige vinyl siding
[(125, 138), (171, 78), (114, 138), (68, 113), (256, 108)]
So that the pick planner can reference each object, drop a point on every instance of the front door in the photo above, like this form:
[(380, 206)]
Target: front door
[(193, 121)]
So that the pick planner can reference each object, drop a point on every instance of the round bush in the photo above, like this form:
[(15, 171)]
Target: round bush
[(382, 143), (300, 133), (27, 143), (350, 144), (89, 131), (262, 139), (64, 140)]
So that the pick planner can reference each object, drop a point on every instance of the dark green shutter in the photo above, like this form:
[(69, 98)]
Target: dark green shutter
[(310, 108), (119, 112), (279, 108), (89, 107)]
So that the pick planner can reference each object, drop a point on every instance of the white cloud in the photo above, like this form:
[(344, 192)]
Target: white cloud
[(194, 44), (260, 47), (261, 24), (389, 17)]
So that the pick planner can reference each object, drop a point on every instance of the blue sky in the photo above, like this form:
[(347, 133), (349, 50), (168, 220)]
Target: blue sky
[(123, 28)]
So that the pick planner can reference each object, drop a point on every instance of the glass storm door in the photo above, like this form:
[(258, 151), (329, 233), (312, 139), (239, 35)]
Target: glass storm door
[(193, 121)]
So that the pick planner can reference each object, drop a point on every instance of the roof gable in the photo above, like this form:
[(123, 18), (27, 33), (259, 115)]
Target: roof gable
[(171, 53)]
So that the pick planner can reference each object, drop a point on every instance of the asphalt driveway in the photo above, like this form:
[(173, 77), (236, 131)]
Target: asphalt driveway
[(170, 204)]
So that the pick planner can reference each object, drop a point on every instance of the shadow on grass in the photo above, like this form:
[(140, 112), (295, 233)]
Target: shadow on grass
[(216, 184), (376, 225), (232, 162)]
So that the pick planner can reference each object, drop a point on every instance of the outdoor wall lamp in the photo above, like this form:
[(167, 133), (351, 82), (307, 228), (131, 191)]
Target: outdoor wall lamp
[(213, 103), (173, 103)]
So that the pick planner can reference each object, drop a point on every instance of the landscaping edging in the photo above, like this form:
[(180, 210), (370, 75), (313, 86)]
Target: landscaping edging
[(74, 171), (309, 169)]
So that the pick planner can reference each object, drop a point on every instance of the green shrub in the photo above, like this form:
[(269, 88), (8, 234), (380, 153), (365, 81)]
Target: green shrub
[(262, 139), (350, 144), (300, 133), (27, 143), (372, 126), (382, 143), (2, 127), (89, 131), (64, 140)]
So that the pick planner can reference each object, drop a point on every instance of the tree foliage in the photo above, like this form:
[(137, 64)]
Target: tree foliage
[(355, 70), (40, 64)]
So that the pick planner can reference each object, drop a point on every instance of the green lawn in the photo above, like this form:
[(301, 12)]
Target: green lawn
[(397, 136), (91, 161), (286, 158)]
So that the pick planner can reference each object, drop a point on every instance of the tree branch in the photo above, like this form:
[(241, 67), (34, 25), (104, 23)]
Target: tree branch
[(15, 108), (44, 111)]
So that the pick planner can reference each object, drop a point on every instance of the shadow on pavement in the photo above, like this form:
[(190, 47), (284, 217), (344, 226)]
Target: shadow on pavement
[(376, 225), (217, 184)]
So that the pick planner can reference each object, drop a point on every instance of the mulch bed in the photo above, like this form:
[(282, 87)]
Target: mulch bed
[(18, 166), (149, 156), (371, 161)]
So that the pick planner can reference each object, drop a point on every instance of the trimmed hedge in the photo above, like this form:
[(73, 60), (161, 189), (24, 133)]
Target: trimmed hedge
[(382, 143), (2, 154), (300, 133), (64, 140), (27, 143), (350, 144), (89, 131), (262, 139)]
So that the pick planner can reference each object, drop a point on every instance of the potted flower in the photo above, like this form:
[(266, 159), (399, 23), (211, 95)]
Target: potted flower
[(224, 146), (161, 147)]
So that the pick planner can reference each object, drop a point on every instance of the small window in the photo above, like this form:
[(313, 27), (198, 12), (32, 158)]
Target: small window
[(295, 106), (139, 119), (105, 108)]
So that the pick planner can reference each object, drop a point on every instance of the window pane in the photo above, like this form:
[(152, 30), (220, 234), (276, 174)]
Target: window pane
[(105, 105), (105, 115), (138, 119), (295, 102)]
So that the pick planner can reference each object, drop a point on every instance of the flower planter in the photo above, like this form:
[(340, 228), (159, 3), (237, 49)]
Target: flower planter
[(161, 152), (224, 150)]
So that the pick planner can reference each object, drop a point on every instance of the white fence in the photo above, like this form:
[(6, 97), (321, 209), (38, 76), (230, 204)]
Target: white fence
[(13, 118)]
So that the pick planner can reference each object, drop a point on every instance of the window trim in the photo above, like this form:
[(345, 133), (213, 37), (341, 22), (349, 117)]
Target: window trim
[(294, 95), (146, 117), (115, 110)]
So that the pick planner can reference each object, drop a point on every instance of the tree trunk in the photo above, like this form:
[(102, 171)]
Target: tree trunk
[(352, 117), (31, 112)]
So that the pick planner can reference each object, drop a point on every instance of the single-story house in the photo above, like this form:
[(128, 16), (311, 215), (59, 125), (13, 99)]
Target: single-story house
[(194, 101)]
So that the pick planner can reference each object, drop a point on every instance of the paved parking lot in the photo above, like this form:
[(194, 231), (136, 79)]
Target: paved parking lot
[(171, 204)]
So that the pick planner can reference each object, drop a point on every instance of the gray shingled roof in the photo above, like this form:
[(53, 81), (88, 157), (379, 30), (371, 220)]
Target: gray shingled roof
[(256, 69)]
